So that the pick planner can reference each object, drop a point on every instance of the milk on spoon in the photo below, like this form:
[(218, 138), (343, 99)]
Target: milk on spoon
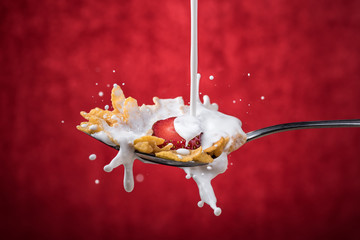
[(130, 122)]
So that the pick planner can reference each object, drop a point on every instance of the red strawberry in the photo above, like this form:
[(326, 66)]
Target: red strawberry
[(165, 129)]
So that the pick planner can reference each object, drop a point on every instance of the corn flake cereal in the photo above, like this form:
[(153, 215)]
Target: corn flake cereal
[(99, 119), (150, 145)]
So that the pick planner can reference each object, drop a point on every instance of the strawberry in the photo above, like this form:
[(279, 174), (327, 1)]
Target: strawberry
[(165, 129)]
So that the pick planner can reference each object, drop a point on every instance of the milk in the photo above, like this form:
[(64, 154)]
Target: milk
[(209, 121), (198, 118)]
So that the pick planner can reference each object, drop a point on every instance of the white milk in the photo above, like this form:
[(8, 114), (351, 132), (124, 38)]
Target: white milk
[(190, 122), (209, 121)]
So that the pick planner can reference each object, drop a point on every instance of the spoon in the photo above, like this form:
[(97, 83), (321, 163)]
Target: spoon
[(149, 158)]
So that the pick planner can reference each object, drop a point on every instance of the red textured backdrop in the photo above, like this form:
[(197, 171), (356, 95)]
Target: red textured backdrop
[(302, 56)]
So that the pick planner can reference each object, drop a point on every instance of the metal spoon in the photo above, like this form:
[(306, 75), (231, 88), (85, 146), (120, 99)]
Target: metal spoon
[(254, 135)]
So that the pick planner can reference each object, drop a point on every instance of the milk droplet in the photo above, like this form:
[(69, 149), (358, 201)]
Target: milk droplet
[(123, 84), (234, 101), (97, 181), (217, 211), (188, 176), (139, 177), (101, 94), (96, 84), (249, 104), (183, 151), (211, 77), (92, 156), (262, 98), (200, 204), (106, 107), (113, 70), (107, 168), (108, 85), (62, 121), (209, 167), (248, 74)]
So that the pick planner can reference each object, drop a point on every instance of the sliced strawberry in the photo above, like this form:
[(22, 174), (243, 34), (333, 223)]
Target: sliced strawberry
[(165, 129)]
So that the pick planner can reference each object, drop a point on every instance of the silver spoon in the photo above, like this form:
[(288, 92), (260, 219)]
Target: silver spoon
[(252, 136)]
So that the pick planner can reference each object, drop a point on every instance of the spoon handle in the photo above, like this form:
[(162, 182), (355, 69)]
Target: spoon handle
[(301, 125)]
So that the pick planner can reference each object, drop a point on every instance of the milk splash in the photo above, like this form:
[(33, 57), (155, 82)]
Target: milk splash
[(198, 118), (211, 123)]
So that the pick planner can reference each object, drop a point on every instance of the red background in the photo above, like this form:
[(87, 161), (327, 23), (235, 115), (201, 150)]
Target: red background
[(302, 56)]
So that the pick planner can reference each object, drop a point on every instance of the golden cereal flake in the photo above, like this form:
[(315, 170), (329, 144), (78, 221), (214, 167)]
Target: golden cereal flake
[(117, 98), (144, 147), (217, 148), (173, 155), (150, 144), (156, 140), (99, 119)]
